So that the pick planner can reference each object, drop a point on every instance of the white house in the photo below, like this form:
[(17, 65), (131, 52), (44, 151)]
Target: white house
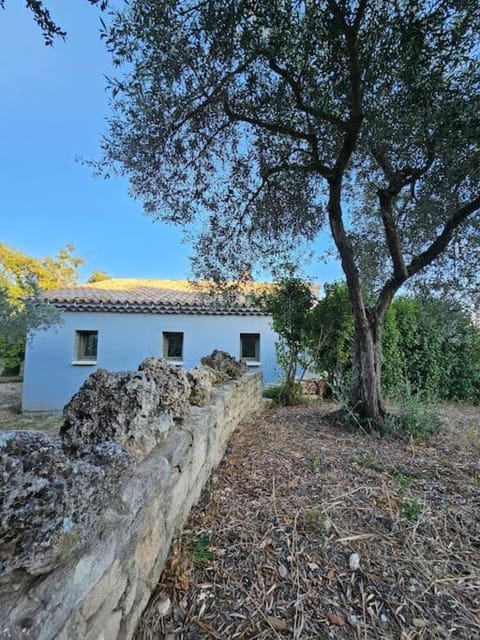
[(114, 324)]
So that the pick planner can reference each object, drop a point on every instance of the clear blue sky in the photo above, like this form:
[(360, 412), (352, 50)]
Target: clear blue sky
[(53, 106)]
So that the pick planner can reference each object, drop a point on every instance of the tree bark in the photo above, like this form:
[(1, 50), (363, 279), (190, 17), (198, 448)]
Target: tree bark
[(366, 394), (288, 395)]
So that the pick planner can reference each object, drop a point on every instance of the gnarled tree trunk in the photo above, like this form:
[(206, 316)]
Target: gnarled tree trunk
[(366, 393)]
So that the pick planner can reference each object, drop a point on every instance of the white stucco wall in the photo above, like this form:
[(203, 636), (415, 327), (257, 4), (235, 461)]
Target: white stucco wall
[(124, 340)]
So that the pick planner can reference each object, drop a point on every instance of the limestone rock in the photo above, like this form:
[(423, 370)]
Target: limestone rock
[(354, 561), (172, 386), (224, 365), (163, 605), (51, 504), (200, 380), (136, 409)]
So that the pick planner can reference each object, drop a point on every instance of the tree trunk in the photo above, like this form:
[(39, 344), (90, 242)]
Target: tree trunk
[(366, 394), (288, 395)]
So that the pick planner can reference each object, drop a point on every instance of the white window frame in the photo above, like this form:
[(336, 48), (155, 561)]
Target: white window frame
[(251, 361), (178, 360), (80, 343)]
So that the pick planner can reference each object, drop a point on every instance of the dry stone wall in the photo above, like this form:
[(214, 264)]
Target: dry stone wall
[(86, 521)]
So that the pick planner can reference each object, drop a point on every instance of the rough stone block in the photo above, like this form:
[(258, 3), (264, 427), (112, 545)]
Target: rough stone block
[(177, 446), (224, 365), (172, 386), (107, 627), (134, 409), (200, 380), (112, 583), (50, 502)]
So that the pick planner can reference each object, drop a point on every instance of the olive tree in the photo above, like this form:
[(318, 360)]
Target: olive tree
[(42, 16), (269, 120)]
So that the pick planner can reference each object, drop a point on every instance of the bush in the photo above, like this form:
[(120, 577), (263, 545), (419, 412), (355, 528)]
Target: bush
[(276, 392), (429, 345), (416, 418)]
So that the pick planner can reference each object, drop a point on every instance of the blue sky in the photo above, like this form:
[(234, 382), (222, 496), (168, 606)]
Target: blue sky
[(53, 106)]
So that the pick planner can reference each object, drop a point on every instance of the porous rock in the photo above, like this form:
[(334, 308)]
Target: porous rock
[(224, 365), (136, 409), (50, 503), (172, 386), (200, 379)]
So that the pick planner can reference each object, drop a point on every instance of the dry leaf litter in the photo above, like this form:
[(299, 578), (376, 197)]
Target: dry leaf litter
[(309, 529)]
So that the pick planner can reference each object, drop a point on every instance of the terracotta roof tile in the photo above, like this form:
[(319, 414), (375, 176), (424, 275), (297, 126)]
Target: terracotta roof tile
[(153, 296)]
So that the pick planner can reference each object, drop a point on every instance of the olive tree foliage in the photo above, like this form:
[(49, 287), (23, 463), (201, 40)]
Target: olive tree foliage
[(42, 16), (268, 120)]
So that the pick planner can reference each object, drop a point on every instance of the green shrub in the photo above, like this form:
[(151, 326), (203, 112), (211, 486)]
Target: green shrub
[(416, 418), (276, 392), (410, 508), (430, 346)]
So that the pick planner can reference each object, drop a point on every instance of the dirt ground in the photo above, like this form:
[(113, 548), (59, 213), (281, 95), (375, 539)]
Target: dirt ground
[(309, 529), (11, 417)]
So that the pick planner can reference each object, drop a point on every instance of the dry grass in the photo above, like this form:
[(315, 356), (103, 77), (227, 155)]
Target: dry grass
[(265, 554), (11, 418)]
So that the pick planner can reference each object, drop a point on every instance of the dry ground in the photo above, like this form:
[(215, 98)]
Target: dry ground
[(267, 552), (11, 417)]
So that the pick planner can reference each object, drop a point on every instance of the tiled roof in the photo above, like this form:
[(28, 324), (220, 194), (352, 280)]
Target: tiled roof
[(126, 295)]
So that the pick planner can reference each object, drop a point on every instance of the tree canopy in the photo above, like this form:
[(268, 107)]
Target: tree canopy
[(42, 16), (98, 276), (268, 120), (18, 271), (22, 308)]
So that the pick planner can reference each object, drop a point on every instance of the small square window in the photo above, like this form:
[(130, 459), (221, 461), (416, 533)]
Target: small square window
[(86, 346), (173, 346), (250, 347)]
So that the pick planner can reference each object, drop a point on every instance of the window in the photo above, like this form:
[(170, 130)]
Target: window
[(86, 346), (250, 347), (173, 346)]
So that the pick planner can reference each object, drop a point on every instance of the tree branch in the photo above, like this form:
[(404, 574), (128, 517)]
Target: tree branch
[(345, 249), (391, 234), (397, 180), (215, 95), (441, 241), (362, 5), (337, 12), (206, 145), (294, 85), (312, 167), (354, 71), (282, 129), (428, 256), (274, 127)]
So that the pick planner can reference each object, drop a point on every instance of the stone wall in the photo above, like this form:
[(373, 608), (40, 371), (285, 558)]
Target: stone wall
[(86, 522)]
